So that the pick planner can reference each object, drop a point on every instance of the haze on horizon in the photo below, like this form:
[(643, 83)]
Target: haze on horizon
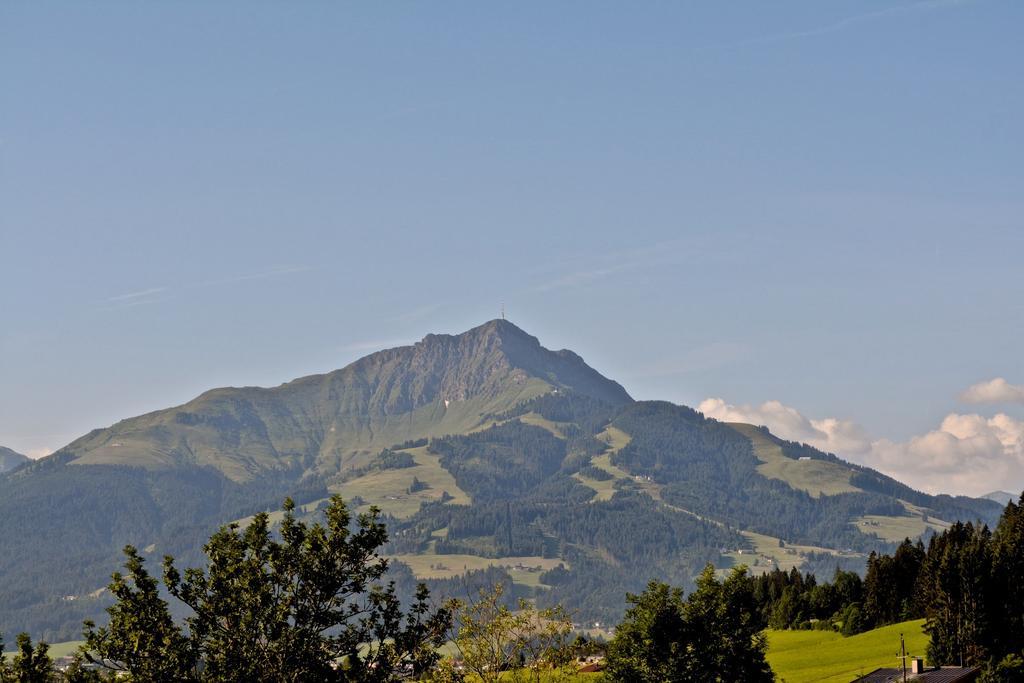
[(800, 215)]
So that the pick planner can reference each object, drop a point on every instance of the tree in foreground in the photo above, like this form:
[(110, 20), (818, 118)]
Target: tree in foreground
[(525, 644), (714, 635), (31, 664), (308, 606), (1010, 669)]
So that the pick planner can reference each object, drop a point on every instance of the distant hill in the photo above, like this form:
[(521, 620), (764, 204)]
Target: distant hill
[(10, 459), (493, 459), (1001, 497)]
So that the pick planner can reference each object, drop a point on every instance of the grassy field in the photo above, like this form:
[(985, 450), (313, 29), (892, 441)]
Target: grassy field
[(895, 529), (544, 423), (274, 516), (434, 566), (795, 656), (356, 440), (56, 649), (387, 489), (827, 657), (604, 490), (546, 677), (616, 440), (817, 477), (768, 554)]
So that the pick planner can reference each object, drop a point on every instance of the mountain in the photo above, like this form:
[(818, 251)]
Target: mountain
[(1001, 497), (327, 423), (10, 459), (492, 458)]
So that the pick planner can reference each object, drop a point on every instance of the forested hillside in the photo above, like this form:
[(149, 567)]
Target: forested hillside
[(488, 455)]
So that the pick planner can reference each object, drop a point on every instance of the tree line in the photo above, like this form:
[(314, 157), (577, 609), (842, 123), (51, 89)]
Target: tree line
[(965, 583), (309, 602)]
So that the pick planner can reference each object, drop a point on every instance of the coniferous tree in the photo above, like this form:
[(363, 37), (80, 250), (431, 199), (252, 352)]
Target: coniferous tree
[(1009, 669), (955, 587), (890, 585), (1007, 571), (31, 664)]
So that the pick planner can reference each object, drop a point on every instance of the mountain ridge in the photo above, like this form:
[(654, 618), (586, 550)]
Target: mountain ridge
[(10, 459), (476, 447), (328, 421)]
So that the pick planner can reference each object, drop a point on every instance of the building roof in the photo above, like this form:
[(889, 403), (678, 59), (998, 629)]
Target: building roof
[(947, 674)]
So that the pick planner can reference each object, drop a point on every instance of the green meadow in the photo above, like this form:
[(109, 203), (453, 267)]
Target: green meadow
[(827, 657), (56, 649), (795, 656)]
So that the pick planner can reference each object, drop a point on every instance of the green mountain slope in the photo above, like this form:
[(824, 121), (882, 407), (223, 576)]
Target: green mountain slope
[(10, 459), (328, 423), (493, 459)]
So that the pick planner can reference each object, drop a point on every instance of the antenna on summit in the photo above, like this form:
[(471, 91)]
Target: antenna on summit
[(502, 310)]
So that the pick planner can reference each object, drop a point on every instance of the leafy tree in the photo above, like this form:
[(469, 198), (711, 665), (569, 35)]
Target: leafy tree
[(649, 644), (528, 642), (731, 642), (306, 607), (141, 639), (853, 622), (715, 635), (78, 672)]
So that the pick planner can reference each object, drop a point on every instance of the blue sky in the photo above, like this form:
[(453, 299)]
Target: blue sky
[(816, 203)]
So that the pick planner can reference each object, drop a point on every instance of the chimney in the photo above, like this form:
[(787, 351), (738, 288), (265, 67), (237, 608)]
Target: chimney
[(916, 665)]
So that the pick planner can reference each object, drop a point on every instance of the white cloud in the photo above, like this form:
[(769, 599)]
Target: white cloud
[(155, 295), (966, 454), (996, 390), (582, 277), (36, 453), (260, 275)]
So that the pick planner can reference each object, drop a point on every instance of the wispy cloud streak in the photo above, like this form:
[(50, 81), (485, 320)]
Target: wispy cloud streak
[(137, 295), (271, 272), (643, 257), (845, 23), (583, 277), (155, 295)]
